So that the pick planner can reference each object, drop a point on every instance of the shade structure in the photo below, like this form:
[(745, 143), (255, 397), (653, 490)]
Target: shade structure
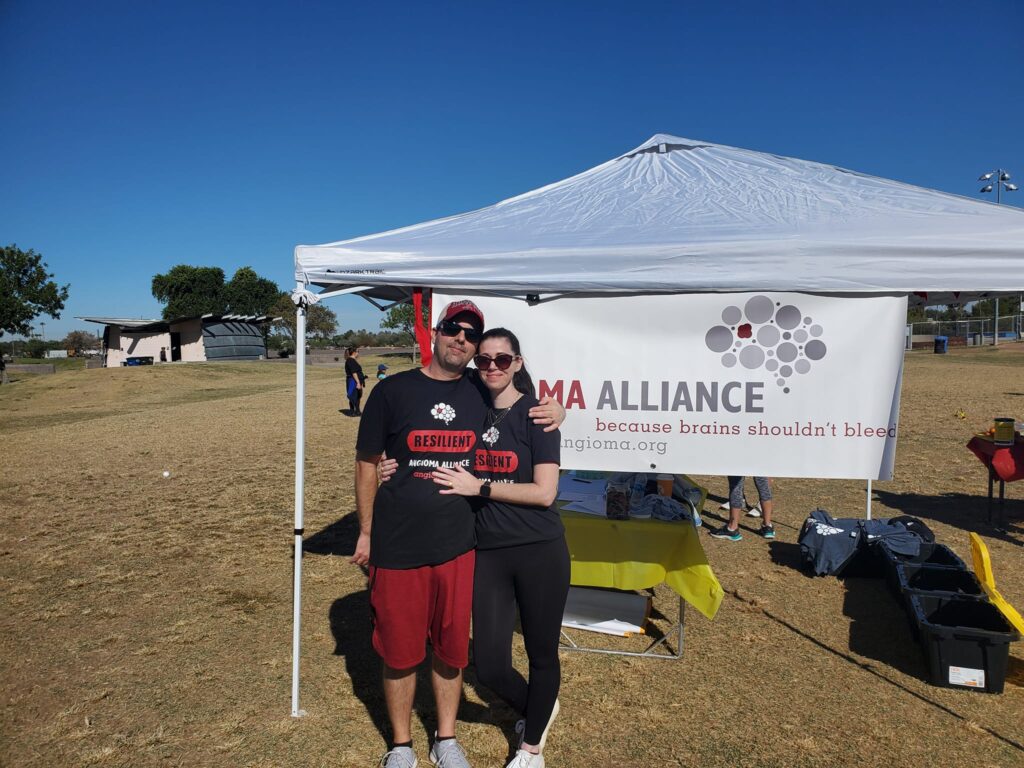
[(680, 215), (676, 215)]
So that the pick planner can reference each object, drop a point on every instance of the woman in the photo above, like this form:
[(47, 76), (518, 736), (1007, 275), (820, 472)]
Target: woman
[(354, 379), (522, 560), (737, 502)]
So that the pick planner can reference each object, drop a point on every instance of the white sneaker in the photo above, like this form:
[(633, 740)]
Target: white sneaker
[(524, 759), (448, 754), (754, 511), (399, 757), (725, 505)]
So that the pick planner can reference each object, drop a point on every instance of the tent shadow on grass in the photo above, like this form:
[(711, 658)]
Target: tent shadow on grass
[(879, 629), (959, 510)]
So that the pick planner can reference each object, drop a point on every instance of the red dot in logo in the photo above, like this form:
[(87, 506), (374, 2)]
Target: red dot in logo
[(744, 331)]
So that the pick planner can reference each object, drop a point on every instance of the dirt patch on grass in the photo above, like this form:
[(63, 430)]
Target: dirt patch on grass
[(147, 620)]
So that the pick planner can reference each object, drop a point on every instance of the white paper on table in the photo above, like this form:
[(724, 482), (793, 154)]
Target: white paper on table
[(592, 506)]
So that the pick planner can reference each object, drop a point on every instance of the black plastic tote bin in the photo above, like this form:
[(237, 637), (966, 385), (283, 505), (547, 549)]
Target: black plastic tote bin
[(941, 345), (965, 642), (934, 587), (941, 556), (916, 577)]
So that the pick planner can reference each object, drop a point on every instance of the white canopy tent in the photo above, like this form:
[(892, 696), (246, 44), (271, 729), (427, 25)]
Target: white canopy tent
[(676, 215)]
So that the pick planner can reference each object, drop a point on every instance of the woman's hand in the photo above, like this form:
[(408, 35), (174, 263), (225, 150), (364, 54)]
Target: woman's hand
[(549, 412), (457, 481), (385, 469)]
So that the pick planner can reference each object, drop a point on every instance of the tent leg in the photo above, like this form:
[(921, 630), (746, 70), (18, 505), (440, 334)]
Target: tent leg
[(868, 506), (300, 480)]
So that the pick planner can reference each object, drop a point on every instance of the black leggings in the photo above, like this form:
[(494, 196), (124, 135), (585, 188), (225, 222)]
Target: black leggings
[(353, 400), (534, 577)]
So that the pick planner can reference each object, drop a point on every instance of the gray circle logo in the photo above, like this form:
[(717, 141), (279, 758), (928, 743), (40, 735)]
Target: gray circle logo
[(765, 334)]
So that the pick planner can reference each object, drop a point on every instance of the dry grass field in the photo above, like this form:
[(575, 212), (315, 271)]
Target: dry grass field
[(147, 621)]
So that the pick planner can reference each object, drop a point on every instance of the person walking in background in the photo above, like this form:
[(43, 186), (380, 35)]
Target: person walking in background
[(522, 559), (354, 379), (737, 504)]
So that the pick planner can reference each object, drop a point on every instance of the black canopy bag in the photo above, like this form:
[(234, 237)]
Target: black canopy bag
[(915, 525)]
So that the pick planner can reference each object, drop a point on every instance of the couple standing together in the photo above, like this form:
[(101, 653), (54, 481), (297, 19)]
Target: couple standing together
[(465, 521)]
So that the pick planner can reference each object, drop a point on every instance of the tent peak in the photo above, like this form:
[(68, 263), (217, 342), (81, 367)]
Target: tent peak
[(662, 144)]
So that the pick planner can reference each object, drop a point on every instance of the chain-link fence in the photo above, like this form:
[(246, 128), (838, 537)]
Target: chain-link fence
[(975, 331)]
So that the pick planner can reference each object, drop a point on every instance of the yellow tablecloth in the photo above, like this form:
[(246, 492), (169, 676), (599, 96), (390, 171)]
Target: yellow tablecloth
[(636, 554)]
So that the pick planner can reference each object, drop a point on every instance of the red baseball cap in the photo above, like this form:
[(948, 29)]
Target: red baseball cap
[(462, 307)]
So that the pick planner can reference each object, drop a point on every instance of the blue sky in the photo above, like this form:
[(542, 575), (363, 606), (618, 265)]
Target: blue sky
[(140, 135)]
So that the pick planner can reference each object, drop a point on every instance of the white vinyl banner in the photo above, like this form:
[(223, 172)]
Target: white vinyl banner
[(771, 384)]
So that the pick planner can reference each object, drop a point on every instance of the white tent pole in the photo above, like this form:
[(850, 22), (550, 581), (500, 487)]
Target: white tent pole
[(869, 501), (300, 480)]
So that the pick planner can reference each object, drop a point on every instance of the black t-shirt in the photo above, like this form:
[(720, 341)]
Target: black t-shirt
[(519, 446), (423, 423), (354, 369)]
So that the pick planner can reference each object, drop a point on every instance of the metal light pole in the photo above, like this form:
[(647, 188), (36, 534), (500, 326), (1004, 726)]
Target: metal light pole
[(1002, 182)]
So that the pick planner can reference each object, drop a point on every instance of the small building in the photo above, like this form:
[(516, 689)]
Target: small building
[(185, 339)]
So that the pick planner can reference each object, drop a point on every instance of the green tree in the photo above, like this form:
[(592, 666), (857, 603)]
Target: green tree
[(402, 316), (77, 342), (27, 290), (916, 315), (249, 294), (321, 323), (986, 308), (35, 348), (190, 291)]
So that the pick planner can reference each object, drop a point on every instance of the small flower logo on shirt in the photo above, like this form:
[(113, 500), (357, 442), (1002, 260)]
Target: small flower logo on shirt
[(490, 436), (443, 412), (826, 530)]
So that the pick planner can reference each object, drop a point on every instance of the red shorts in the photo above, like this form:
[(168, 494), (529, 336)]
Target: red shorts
[(409, 606)]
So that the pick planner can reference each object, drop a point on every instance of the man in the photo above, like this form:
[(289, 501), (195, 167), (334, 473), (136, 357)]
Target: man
[(418, 543)]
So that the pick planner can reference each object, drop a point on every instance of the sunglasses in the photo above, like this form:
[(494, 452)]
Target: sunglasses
[(503, 361), (453, 329)]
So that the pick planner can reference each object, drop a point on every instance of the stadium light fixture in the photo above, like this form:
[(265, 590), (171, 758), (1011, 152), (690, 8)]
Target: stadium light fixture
[(999, 181)]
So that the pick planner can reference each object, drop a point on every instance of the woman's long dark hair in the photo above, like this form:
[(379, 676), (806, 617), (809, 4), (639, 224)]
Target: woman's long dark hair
[(521, 380)]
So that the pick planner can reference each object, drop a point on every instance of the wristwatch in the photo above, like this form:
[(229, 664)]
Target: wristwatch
[(485, 489)]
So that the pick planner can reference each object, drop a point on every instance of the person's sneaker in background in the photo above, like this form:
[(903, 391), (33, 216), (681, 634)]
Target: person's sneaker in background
[(754, 511), (725, 533)]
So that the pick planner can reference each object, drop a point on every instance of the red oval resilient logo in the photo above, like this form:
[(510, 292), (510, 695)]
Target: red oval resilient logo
[(496, 461), (441, 440)]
